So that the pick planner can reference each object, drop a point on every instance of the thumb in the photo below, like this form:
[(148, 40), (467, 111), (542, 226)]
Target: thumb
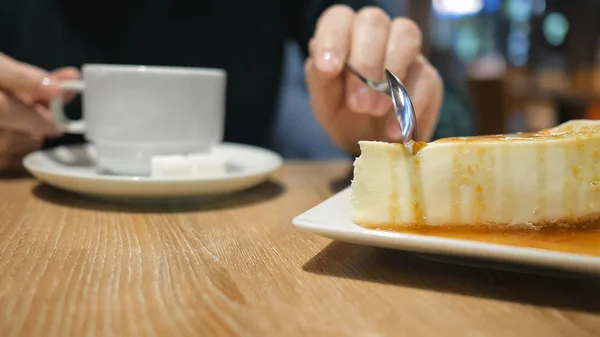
[(66, 73), (326, 93)]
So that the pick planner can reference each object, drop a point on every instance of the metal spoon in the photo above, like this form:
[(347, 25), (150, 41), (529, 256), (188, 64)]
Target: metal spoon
[(405, 113), (382, 86)]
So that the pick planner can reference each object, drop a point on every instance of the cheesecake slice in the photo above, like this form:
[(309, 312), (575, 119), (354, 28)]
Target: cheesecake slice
[(547, 178)]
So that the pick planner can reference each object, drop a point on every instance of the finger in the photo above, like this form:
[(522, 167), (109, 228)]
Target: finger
[(369, 40), (16, 76), (63, 74), (18, 144), (367, 56), (326, 94), (12, 166), (425, 88), (46, 114), (343, 127), (332, 39), (66, 73), (17, 116), (403, 45)]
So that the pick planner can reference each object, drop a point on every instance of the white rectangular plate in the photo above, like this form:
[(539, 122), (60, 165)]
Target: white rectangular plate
[(333, 219)]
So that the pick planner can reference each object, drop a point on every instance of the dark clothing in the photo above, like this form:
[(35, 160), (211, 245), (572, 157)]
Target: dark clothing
[(245, 37)]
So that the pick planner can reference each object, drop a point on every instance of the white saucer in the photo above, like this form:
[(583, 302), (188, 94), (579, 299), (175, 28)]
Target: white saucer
[(72, 168), (333, 219)]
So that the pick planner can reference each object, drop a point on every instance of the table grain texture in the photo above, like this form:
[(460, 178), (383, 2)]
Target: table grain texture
[(74, 266)]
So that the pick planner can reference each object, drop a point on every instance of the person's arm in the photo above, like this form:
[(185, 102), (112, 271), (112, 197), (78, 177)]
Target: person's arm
[(455, 116)]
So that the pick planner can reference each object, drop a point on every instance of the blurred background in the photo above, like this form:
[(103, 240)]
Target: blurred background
[(524, 64)]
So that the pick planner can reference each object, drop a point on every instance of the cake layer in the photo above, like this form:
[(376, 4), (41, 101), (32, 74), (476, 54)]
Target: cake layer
[(548, 177)]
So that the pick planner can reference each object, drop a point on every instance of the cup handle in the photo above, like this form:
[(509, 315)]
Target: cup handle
[(58, 113)]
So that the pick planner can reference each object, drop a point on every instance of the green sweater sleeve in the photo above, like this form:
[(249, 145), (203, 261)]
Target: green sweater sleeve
[(456, 117)]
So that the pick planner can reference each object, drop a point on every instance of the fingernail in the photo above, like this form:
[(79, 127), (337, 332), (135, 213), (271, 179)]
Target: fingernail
[(363, 100), (328, 62), (50, 86)]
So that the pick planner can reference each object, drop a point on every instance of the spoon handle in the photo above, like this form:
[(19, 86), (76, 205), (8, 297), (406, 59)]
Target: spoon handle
[(382, 86)]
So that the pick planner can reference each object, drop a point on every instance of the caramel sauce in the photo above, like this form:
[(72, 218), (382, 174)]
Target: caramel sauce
[(570, 195), (417, 146), (417, 191), (561, 132), (575, 171), (457, 180), (480, 202), (595, 174), (481, 206), (394, 203), (580, 240), (496, 138)]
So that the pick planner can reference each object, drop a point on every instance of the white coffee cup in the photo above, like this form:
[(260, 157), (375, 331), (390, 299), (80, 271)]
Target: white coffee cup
[(133, 113)]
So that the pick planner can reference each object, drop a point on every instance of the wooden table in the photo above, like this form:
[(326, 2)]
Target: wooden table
[(71, 266)]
